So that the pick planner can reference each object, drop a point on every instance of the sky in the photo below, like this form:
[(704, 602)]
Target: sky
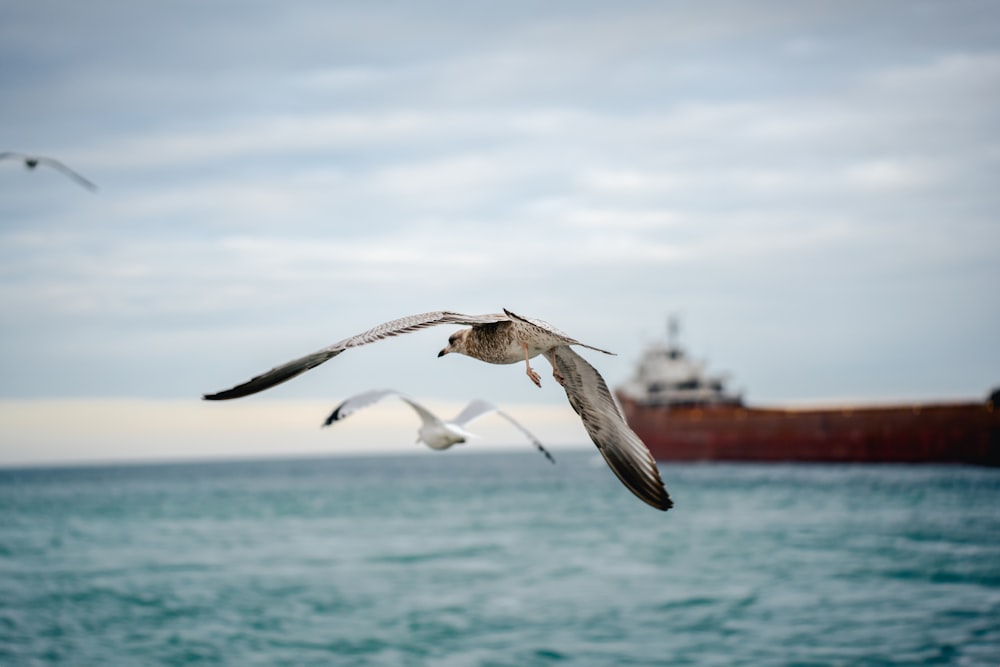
[(811, 187)]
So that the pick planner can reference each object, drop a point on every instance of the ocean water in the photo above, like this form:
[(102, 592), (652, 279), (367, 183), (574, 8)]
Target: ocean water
[(464, 558)]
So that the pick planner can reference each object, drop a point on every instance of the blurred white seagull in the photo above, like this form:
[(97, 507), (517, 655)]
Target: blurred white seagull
[(434, 432), (32, 161), (509, 339)]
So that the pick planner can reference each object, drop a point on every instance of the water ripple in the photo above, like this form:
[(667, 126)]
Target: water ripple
[(483, 559)]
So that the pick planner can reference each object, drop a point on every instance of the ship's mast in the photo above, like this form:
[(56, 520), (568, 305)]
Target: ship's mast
[(673, 328)]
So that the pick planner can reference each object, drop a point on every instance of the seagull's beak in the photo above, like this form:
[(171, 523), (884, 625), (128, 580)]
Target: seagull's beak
[(444, 351)]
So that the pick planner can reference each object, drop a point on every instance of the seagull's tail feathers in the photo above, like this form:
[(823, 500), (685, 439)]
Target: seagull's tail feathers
[(596, 349), (552, 330)]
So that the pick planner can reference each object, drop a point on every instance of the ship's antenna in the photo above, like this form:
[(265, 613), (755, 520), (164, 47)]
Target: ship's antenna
[(673, 327)]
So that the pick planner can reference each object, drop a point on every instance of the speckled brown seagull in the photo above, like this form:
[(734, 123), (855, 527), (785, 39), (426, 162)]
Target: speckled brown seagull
[(32, 161), (509, 339)]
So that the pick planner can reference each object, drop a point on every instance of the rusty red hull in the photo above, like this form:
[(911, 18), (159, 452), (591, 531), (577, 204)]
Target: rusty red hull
[(927, 433)]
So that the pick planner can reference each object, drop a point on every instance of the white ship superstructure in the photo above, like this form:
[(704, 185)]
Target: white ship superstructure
[(667, 376)]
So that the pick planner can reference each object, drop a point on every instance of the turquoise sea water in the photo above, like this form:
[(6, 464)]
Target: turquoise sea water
[(463, 558)]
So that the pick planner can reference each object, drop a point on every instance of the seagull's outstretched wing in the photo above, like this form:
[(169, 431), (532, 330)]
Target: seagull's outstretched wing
[(31, 161), (549, 329), (624, 452), (56, 164), (478, 408), (403, 325), (368, 398)]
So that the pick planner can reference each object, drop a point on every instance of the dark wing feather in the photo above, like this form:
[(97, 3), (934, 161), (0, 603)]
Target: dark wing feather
[(358, 402), (368, 398), (275, 376), (403, 325), (624, 452)]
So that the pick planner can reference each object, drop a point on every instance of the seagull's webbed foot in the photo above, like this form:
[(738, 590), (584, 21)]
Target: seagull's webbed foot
[(535, 377), (555, 369)]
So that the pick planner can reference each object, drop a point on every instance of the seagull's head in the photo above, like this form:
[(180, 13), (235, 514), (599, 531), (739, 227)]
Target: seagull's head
[(456, 343)]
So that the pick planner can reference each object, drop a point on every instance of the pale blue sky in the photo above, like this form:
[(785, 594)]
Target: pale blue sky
[(811, 186)]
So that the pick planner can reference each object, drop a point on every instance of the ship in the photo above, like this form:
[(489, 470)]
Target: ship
[(683, 413)]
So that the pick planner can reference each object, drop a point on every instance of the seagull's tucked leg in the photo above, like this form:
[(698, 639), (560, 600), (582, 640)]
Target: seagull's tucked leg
[(555, 369), (535, 377)]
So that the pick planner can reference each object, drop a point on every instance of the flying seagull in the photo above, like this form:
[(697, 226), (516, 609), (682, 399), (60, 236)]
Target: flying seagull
[(32, 161), (434, 432), (507, 339)]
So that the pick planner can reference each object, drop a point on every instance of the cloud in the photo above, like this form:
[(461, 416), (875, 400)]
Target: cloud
[(888, 174), (620, 219), (296, 174)]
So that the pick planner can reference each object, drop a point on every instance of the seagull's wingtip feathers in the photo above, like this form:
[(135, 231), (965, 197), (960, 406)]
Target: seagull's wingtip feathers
[(222, 395), (334, 416)]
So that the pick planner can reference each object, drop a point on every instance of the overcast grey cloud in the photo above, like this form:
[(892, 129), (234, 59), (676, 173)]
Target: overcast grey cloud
[(811, 186)]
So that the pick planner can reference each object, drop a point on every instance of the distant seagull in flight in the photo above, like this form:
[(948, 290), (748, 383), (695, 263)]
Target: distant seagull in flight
[(509, 339), (434, 432), (32, 161)]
